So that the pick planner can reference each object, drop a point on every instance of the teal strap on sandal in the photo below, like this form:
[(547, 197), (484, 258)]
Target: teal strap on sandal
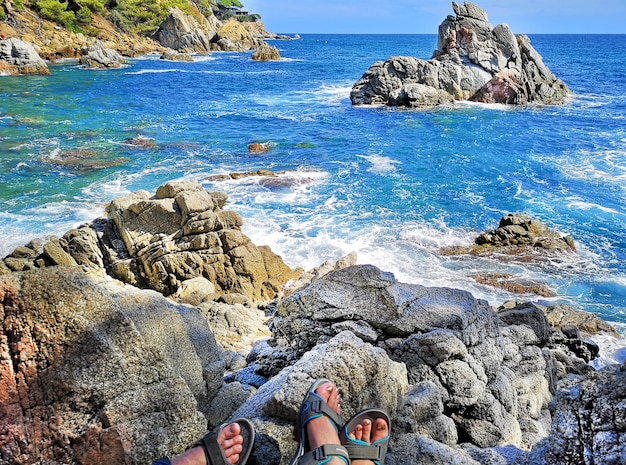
[(313, 406), (323, 454), (362, 450)]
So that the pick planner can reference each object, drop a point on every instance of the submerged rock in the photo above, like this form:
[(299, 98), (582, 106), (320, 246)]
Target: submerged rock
[(473, 61)]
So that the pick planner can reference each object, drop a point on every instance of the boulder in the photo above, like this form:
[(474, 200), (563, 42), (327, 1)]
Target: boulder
[(171, 55), (97, 56), (20, 57), (266, 52), (517, 235), (92, 371), (474, 61), (492, 376), (185, 33)]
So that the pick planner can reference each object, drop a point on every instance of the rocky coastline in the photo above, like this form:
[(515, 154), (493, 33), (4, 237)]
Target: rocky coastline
[(29, 42), (124, 339)]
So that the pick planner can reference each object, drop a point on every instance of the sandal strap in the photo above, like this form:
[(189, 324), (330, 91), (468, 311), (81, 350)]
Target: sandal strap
[(375, 452), (315, 407), (323, 454)]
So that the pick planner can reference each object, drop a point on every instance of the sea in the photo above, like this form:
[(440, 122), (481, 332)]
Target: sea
[(393, 185)]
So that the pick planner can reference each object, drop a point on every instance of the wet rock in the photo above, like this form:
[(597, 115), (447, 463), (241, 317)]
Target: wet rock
[(520, 236), (172, 55)]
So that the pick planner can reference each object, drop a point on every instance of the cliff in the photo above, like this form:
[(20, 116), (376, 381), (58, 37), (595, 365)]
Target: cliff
[(66, 30)]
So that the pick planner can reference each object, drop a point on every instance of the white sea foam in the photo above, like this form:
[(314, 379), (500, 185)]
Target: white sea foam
[(158, 71), (381, 164)]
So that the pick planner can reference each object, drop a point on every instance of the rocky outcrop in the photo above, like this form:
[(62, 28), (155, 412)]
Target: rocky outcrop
[(232, 36), (185, 33), (492, 379), (474, 61), (162, 241), (95, 372), (97, 56), (19, 57), (266, 52), (517, 235), (590, 421)]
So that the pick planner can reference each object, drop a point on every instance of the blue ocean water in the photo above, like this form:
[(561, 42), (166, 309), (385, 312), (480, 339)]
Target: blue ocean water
[(394, 185)]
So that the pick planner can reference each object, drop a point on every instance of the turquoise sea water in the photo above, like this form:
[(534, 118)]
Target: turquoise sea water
[(393, 185)]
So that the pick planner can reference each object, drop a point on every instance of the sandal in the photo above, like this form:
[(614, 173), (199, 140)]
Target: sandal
[(313, 406), (362, 450), (215, 454)]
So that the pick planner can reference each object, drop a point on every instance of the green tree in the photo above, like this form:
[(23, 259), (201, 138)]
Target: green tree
[(56, 10)]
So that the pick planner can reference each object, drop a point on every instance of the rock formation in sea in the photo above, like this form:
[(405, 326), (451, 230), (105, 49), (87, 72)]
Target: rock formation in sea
[(94, 370), (474, 61), (161, 241), (97, 56)]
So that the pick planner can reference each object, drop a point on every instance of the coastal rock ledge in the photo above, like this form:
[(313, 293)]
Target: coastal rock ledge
[(474, 61)]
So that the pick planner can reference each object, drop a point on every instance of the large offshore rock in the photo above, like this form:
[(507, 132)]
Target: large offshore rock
[(474, 61)]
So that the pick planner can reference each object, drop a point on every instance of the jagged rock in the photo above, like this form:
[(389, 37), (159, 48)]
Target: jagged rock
[(163, 241), (364, 374), (517, 235), (20, 57), (97, 56), (185, 33), (473, 61), (590, 421), (232, 36), (494, 378), (95, 372), (266, 53)]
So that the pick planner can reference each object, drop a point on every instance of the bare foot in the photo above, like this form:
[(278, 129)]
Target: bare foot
[(320, 430), (370, 433), (229, 438)]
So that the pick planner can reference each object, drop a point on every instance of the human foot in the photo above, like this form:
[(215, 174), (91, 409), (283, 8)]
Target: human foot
[(319, 423), (366, 436), (229, 441)]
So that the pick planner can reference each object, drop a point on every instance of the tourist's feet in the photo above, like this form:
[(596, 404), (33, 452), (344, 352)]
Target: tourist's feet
[(320, 431), (229, 438), (370, 433)]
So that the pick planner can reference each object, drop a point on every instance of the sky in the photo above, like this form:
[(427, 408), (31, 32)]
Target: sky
[(424, 16)]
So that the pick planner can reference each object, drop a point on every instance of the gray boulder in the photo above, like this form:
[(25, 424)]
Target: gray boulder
[(493, 379), (20, 57), (473, 61), (97, 56)]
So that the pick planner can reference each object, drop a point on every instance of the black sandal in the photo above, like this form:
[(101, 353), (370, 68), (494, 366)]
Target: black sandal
[(213, 450), (313, 406)]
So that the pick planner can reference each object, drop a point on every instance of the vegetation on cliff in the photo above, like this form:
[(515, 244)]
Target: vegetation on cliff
[(135, 17)]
